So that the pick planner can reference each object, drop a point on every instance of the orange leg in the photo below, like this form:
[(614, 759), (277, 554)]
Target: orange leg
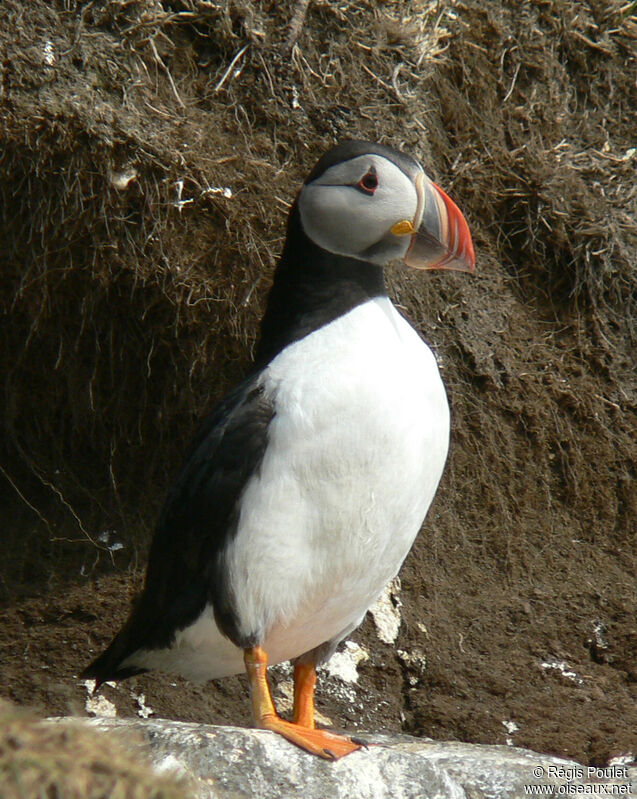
[(317, 742), (304, 682)]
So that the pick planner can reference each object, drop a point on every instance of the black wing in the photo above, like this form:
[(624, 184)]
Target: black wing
[(198, 520)]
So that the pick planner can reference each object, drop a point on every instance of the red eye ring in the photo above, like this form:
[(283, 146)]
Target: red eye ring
[(368, 183)]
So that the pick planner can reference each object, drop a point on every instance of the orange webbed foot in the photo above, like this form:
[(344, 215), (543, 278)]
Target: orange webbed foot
[(322, 743), (301, 731)]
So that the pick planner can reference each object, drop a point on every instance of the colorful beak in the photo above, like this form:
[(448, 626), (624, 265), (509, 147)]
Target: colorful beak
[(442, 239)]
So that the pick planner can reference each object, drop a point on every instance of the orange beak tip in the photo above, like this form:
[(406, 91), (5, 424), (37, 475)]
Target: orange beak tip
[(443, 240)]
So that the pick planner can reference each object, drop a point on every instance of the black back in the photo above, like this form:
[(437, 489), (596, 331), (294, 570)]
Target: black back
[(199, 518)]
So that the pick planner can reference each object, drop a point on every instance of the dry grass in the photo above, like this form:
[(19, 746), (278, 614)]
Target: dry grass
[(39, 759)]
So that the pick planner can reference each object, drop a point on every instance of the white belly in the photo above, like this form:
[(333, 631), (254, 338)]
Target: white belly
[(355, 453)]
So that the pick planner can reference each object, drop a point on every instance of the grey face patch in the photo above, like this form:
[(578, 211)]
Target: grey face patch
[(339, 215)]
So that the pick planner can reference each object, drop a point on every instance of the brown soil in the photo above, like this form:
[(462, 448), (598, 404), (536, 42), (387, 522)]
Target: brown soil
[(132, 306)]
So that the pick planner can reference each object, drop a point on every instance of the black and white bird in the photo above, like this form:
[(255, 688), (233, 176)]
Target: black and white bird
[(304, 489)]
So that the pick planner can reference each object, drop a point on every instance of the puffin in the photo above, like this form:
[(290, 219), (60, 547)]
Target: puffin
[(305, 487)]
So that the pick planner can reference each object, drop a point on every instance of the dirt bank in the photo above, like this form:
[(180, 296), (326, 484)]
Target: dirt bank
[(148, 155)]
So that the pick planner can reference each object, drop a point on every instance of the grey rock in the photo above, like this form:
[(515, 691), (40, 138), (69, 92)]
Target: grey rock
[(233, 763)]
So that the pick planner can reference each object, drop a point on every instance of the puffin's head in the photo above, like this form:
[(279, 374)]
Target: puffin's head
[(373, 203)]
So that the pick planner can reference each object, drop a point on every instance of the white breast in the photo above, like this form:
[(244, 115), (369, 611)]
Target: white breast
[(355, 453)]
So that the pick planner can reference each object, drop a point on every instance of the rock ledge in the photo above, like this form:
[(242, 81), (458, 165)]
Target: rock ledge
[(232, 762)]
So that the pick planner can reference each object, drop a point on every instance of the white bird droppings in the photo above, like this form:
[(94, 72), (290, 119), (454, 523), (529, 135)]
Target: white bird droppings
[(143, 710), (98, 705), (344, 664), (386, 612), (510, 727), (562, 667), (622, 760), (414, 660)]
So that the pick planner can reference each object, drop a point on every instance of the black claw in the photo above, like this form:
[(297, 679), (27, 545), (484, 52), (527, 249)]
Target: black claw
[(330, 754), (360, 742)]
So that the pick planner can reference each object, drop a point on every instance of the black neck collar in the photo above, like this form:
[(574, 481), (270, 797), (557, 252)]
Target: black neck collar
[(311, 288)]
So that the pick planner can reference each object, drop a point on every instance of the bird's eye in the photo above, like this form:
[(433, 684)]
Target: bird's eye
[(368, 183)]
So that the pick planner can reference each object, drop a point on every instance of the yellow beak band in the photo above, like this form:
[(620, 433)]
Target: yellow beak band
[(403, 228)]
